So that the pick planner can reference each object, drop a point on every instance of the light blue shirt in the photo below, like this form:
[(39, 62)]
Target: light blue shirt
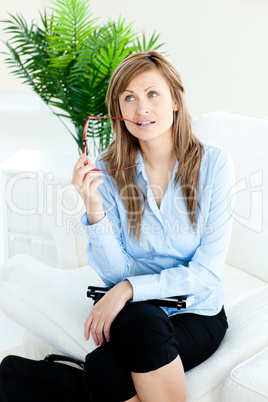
[(172, 258)]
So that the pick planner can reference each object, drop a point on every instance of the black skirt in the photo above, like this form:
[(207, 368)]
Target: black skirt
[(143, 338)]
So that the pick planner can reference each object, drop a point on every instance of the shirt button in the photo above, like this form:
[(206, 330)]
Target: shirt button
[(163, 238)]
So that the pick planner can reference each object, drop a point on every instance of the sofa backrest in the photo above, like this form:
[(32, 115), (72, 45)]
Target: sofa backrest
[(245, 137)]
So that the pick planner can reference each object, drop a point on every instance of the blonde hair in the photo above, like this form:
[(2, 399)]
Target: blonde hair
[(122, 151)]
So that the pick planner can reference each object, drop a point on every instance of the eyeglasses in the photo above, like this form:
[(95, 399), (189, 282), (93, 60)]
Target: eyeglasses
[(85, 140)]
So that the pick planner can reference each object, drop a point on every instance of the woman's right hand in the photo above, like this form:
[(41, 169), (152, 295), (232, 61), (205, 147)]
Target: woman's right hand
[(86, 186)]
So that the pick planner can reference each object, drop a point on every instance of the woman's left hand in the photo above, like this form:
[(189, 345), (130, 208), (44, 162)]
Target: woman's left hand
[(104, 312)]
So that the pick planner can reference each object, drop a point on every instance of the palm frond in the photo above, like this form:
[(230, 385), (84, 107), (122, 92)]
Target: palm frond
[(143, 46), (72, 24)]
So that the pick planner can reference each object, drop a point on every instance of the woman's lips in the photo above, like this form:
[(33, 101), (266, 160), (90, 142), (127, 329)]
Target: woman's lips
[(144, 123)]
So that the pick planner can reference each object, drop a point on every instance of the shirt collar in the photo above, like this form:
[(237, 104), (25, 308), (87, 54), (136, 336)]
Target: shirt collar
[(139, 160)]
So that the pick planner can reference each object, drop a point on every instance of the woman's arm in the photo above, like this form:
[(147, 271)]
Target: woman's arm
[(104, 312), (106, 252)]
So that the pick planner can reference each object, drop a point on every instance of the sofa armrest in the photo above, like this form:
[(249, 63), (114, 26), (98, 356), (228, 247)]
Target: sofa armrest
[(49, 302), (66, 228)]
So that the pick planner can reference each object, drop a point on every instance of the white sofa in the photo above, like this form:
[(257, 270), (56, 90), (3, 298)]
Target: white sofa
[(51, 304)]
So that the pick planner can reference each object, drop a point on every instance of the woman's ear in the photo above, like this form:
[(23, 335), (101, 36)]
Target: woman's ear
[(175, 107)]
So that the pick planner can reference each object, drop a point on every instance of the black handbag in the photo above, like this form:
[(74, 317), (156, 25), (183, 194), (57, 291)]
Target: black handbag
[(51, 379)]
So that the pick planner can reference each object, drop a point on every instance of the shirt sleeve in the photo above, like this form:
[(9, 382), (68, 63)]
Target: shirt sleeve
[(106, 252), (205, 271)]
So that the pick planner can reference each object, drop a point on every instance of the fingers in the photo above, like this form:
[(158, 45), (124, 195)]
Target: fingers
[(92, 183), (89, 176), (97, 333), (83, 176), (87, 327), (81, 161), (93, 325), (81, 173), (80, 164), (106, 331), (96, 329), (100, 330)]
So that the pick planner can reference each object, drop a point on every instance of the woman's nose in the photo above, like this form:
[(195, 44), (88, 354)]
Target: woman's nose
[(143, 108)]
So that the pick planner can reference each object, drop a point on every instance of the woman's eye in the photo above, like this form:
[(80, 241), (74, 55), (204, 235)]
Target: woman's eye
[(129, 98), (152, 94)]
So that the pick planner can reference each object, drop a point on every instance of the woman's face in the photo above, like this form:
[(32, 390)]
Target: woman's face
[(147, 101)]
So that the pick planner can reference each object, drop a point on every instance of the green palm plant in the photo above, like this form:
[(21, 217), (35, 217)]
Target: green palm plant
[(68, 62)]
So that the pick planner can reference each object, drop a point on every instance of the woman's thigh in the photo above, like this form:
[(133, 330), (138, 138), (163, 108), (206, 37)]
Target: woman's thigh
[(198, 336), (146, 336)]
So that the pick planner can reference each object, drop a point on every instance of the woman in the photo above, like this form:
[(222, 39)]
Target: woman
[(156, 230)]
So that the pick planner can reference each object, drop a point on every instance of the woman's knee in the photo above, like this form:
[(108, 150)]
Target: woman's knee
[(107, 378)]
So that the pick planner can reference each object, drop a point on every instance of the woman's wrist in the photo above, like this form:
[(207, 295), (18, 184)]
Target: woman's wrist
[(126, 290), (95, 217)]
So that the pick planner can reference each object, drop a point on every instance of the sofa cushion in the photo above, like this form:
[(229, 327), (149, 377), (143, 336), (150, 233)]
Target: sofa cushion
[(245, 138), (248, 380), (247, 333), (36, 348)]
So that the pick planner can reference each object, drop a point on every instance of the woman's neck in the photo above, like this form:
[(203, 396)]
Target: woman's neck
[(158, 158)]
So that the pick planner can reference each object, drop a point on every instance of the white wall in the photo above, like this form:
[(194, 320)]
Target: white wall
[(218, 46)]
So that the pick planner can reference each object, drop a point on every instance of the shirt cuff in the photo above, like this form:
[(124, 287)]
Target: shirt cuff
[(144, 287)]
